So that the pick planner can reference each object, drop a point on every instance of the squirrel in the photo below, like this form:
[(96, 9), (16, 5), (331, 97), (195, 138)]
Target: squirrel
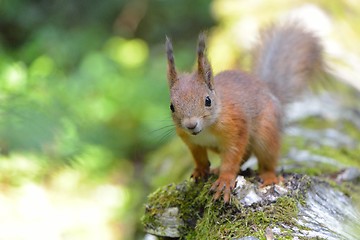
[(237, 114)]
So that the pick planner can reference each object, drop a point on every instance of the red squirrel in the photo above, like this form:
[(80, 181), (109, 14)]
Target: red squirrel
[(237, 114)]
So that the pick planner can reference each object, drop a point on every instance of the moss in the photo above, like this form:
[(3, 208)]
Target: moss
[(158, 201), (353, 190), (350, 189), (226, 223), (351, 130), (313, 169), (317, 123), (189, 197), (345, 156), (207, 219)]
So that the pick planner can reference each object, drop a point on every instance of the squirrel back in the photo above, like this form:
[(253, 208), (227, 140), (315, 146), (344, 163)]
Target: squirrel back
[(288, 58)]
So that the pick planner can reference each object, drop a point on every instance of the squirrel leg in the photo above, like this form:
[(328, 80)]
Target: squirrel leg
[(202, 164), (229, 169), (267, 150), (267, 169)]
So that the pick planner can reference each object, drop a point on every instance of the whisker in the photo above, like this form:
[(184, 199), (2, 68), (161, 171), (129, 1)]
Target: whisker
[(162, 128), (166, 120), (166, 135)]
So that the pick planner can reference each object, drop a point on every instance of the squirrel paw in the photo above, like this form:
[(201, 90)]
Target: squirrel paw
[(224, 184), (199, 174), (270, 178)]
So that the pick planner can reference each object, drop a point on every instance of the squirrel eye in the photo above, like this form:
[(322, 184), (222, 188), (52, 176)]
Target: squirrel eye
[(207, 101), (172, 108)]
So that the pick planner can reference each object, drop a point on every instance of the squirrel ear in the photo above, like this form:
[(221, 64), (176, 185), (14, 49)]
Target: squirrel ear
[(204, 67), (171, 72)]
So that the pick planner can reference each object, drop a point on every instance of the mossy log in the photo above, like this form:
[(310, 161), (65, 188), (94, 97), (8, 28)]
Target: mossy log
[(301, 208)]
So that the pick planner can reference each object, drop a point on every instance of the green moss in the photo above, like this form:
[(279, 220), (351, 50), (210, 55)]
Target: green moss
[(350, 189), (158, 201), (351, 130), (316, 169), (353, 192), (342, 155), (294, 141), (207, 219), (226, 223), (347, 156), (189, 197), (317, 123)]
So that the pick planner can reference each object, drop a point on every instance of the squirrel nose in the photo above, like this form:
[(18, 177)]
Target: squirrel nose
[(190, 123)]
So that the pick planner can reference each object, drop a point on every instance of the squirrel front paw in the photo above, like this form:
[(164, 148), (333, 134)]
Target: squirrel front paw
[(224, 185), (200, 174), (269, 178)]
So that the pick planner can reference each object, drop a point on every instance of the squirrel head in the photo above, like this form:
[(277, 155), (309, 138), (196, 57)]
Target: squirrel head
[(194, 103)]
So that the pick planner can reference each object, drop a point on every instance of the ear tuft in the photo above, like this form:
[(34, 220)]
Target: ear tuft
[(201, 44), (172, 75), (169, 50), (204, 67)]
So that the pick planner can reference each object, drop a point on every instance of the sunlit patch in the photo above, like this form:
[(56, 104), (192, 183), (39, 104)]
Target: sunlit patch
[(65, 207), (15, 76), (221, 53), (128, 53)]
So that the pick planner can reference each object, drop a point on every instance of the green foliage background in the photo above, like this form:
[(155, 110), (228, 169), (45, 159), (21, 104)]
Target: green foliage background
[(83, 88)]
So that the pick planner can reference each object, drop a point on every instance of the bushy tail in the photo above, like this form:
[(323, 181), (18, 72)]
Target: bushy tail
[(288, 57)]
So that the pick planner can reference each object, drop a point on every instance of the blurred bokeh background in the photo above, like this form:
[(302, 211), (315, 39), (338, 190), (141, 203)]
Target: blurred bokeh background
[(85, 129)]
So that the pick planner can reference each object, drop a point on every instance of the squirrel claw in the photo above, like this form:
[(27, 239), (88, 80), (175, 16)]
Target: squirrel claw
[(223, 186), (199, 174)]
